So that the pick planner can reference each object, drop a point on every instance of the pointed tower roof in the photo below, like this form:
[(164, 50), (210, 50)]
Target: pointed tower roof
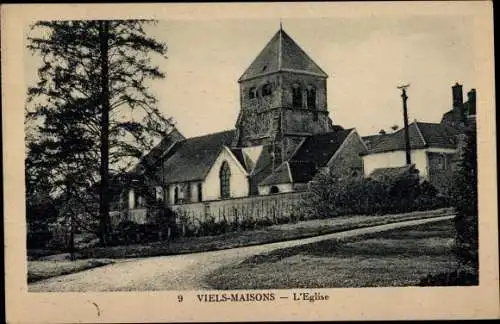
[(282, 53)]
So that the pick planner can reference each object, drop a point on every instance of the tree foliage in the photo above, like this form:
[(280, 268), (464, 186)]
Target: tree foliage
[(66, 107), (465, 201)]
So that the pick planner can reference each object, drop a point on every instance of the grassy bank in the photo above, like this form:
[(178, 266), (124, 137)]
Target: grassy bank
[(269, 234), (38, 270), (399, 257)]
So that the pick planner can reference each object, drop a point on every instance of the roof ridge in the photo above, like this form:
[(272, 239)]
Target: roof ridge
[(209, 134), (302, 141), (420, 133), (289, 171), (280, 49), (242, 77), (427, 123), (305, 53), (281, 53)]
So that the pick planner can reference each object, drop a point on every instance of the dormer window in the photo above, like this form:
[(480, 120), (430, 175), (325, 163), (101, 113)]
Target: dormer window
[(266, 90), (296, 96), (311, 97), (252, 93)]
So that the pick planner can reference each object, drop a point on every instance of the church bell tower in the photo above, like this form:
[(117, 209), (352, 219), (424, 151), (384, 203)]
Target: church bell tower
[(282, 98)]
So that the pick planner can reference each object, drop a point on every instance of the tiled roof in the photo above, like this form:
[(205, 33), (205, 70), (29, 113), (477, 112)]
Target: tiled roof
[(438, 135), (318, 149), (302, 172), (371, 140), (152, 157), (421, 135), (281, 54), (192, 158), (313, 154), (279, 176)]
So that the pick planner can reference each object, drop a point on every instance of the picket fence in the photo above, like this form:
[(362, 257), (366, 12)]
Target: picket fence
[(271, 207), (235, 210)]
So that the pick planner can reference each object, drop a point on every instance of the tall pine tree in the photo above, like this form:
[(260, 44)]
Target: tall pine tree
[(94, 113)]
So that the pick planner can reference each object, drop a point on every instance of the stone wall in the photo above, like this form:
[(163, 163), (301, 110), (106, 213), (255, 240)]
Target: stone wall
[(349, 158), (264, 115), (305, 121), (303, 80), (441, 170), (259, 102)]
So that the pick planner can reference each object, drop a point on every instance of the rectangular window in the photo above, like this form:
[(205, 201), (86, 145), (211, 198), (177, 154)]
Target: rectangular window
[(200, 192), (437, 161), (187, 197)]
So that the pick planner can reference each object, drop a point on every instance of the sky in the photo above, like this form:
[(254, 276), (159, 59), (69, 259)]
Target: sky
[(365, 57)]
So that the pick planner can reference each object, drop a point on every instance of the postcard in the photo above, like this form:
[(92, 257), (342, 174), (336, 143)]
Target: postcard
[(249, 162)]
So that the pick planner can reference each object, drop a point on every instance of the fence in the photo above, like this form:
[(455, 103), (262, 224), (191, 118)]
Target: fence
[(272, 207)]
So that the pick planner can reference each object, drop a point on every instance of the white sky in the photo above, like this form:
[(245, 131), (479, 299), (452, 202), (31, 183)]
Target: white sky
[(366, 58)]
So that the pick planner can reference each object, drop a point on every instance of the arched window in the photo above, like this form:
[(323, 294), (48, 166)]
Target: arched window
[(252, 93), (274, 190), (296, 96), (311, 97), (225, 175), (176, 195), (266, 90)]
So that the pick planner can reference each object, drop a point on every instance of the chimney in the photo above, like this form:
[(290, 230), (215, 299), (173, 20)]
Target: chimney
[(471, 102), (457, 93), (458, 101)]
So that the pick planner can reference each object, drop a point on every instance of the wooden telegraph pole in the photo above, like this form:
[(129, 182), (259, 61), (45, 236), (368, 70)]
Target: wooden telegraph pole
[(405, 116)]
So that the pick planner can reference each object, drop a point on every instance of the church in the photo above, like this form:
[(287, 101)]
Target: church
[(283, 136)]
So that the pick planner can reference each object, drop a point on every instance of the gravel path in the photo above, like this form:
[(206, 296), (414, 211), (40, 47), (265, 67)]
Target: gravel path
[(183, 272)]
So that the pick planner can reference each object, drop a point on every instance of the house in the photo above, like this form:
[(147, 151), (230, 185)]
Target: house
[(283, 136), (435, 147)]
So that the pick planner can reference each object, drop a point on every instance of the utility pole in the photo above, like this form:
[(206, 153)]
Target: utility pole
[(405, 116)]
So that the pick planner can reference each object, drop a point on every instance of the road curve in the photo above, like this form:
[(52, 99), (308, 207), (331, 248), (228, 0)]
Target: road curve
[(184, 272)]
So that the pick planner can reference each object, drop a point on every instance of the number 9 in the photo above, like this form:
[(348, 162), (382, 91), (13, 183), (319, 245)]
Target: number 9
[(180, 298)]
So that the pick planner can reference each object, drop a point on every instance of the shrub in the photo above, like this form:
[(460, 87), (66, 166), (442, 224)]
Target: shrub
[(248, 223), (263, 222), (455, 278), (125, 233), (332, 195), (211, 227)]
